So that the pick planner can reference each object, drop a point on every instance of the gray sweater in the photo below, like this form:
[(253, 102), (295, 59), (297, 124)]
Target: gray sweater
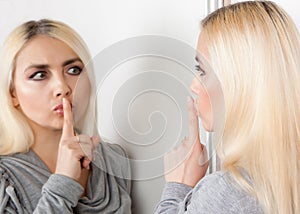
[(27, 186), (216, 193)]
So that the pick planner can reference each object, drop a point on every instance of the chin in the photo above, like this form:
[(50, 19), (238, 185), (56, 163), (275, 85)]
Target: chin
[(207, 126), (57, 125)]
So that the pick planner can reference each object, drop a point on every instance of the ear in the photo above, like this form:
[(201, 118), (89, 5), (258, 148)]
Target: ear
[(14, 98)]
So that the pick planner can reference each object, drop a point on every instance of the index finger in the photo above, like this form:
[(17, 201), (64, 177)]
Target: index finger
[(193, 121), (68, 129)]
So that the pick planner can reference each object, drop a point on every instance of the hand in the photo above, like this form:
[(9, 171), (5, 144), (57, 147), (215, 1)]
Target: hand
[(72, 154), (188, 162)]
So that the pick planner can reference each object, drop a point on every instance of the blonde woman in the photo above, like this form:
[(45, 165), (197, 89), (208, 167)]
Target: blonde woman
[(254, 49), (47, 161)]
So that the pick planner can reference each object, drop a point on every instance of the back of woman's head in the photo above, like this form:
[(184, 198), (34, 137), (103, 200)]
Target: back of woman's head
[(254, 48), (15, 133)]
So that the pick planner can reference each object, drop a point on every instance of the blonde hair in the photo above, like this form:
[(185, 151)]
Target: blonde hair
[(15, 133), (254, 49)]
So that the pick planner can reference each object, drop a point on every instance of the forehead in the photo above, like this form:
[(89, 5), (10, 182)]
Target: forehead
[(202, 50), (44, 49)]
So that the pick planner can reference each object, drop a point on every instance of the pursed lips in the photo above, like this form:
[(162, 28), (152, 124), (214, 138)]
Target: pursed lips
[(60, 109)]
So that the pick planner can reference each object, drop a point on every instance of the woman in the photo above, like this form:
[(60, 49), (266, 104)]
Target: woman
[(254, 49), (46, 154)]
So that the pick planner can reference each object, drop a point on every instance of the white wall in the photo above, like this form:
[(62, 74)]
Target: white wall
[(104, 22)]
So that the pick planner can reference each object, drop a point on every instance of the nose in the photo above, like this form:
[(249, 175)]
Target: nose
[(194, 87), (62, 88)]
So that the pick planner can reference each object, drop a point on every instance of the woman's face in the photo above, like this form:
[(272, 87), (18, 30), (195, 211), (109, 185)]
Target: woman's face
[(47, 70), (201, 84)]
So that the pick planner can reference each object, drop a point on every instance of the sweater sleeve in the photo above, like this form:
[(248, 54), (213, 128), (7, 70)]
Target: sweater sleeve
[(173, 198), (215, 193), (59, 195)]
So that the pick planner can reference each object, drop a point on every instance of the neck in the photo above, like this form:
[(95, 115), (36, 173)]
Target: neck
[(46, 140), (46, 146)]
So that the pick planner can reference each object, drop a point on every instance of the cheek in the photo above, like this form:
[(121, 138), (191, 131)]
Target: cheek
[(32, 102), (81, 96), (204, 108), (28, 97), (203, 102)]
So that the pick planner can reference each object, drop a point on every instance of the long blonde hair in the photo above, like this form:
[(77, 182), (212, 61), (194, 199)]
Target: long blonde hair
[(254, 49), (15, 133)]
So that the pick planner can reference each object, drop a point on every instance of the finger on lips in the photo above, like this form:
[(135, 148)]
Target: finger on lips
[(193, 121), (68, 129), (85, 142)]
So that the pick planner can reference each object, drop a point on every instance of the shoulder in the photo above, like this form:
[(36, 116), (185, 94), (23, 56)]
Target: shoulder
[(23, 171), (220, 193), (22, 163), (113, 152), (9, 184), (113, 159), (220, 179), (10, 163), (116, 149)]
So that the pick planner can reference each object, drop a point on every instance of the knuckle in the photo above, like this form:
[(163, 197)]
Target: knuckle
[(63, 142)]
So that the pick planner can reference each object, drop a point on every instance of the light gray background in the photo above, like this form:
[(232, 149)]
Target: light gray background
[(105, 22)]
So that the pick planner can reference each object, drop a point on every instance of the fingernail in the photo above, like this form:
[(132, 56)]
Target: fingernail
[(64, 101)]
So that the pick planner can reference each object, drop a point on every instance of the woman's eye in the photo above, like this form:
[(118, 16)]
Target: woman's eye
[(74, 70), (39, 75), (199, 70)]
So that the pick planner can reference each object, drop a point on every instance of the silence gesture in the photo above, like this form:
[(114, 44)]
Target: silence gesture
[(75, 151), (188, 162)]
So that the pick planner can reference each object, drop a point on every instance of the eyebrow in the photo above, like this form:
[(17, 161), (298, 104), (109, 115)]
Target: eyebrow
[(198, 60), (70, 61), (201, 64), (45, 66)]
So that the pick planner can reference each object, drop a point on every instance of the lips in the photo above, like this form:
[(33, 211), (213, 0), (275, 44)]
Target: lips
[(59, 109)]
